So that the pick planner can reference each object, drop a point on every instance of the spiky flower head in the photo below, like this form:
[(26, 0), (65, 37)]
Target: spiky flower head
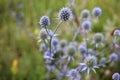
[(64, 14), (55, 42), (86, 25), (85, 14), (96, 12), (116, 76), (98, 39), (63, 43), (90, 63), (44, 21), (71, 50), (42, 35), (113, 57), (116, 32), (82, 48)]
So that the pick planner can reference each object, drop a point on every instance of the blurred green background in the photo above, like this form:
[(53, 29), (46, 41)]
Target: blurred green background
[(20, 58)]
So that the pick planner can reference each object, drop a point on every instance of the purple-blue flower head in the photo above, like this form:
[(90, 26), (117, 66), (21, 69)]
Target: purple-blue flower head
[(44, 21), (113, 57), (86, 25), (96, 12), (116, 76), (64, 14)]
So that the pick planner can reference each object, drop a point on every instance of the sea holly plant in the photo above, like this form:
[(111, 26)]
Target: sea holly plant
[(59, 54)]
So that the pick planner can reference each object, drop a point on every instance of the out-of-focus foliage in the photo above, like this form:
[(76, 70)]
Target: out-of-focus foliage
[(20, 58)]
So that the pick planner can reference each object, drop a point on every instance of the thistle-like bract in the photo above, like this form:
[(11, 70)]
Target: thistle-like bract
[(90, 63), (64, 14)]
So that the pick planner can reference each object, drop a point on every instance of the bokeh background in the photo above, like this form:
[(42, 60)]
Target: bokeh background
[(20, 58)]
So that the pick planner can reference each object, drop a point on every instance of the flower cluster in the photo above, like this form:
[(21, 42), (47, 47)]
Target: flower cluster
[(59, 54)]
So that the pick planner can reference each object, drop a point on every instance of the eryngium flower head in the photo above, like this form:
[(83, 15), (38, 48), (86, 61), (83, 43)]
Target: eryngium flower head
[(90, 63), (116, 32), (113, 57), (98, 39), (64, 14), (42, 35), (63, 43), (71, 50), (85, 14), (55, 42), (96, 11), (44, 21), (82, 48), (116, 76), (86, 25)]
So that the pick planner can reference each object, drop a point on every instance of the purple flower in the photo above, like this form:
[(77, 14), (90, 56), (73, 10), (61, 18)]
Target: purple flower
[(86, 25), (44, 21), (116, 76), (64, 14), (96, 11), (90, 63), (82, 48), (113, 57)]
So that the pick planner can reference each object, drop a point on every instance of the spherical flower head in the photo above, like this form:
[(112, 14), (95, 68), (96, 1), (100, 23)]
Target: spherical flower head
[(55, 42), (116, 32), (86, 25), (90, 61), (98, 38), (116, 76), (63, 43), (64, 14), (71, 50), (96, 12), (113, 57), (44, 21), (42, 34), (82, 48), (85, 14)]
